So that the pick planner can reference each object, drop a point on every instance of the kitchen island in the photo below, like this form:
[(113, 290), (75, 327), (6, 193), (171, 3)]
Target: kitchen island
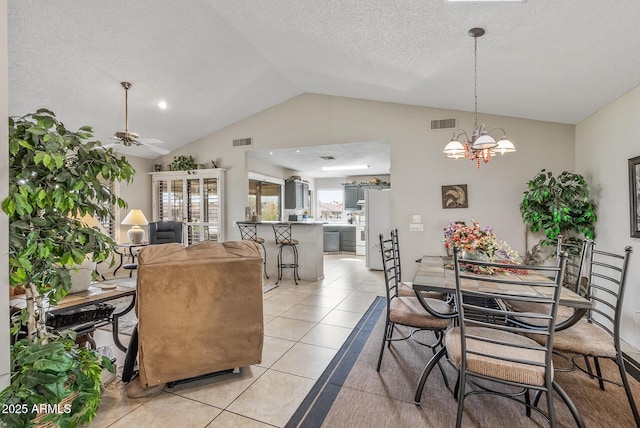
[(310, 252)]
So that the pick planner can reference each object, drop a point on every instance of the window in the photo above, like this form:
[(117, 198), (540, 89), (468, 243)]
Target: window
[(265, 199), (108, 222), (331, 205)]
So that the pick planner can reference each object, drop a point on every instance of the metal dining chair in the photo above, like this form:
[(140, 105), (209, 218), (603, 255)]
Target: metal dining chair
[(408, 311), (405, 288), (485, 350), (598, 334), (573, 280)]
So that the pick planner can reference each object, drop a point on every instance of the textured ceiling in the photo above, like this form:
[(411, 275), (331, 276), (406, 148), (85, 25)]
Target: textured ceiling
[(217, 62), (308, 160)]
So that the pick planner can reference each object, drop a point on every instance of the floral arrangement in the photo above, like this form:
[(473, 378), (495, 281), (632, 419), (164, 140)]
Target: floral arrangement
[(471, 238), (480, 242)]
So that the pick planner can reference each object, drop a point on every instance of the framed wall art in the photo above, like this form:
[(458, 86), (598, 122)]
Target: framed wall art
[(455, 196), (634, 195)]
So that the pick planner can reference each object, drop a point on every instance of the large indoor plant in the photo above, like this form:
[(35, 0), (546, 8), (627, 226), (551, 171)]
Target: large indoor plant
[(55, 178), (558, 207)]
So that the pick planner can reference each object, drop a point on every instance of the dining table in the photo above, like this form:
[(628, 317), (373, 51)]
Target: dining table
[(435, 275)]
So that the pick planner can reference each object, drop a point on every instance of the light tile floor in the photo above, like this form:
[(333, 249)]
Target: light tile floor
[(305, 325)]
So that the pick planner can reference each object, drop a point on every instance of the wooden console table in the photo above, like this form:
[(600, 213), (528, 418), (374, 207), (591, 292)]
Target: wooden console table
[(99, 292)]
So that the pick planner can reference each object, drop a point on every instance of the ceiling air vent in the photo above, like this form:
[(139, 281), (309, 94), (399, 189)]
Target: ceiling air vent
[(243, 142), (327, 158), (443, 124)]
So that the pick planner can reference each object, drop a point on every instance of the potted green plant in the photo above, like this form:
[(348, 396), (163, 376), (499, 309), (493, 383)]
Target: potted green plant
[(184, 163), (55, 178), (557, 206)]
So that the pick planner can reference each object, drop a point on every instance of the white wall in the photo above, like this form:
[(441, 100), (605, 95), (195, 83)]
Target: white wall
[(604, 143), (4, 189), (418, 168)]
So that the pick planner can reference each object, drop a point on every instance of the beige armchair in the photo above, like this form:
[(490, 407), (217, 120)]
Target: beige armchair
[(199, 309)]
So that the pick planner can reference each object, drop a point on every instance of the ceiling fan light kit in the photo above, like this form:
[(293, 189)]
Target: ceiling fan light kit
[(481, 146)]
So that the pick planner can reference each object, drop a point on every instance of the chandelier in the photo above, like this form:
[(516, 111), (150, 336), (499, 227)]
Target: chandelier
[(481, 146)]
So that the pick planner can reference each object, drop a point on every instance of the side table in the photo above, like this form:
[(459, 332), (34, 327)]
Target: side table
[(127, 250)]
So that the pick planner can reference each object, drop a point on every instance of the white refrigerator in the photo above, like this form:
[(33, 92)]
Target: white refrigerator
[(377, 209)]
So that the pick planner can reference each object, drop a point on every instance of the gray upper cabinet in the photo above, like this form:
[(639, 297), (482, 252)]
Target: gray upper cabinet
[(296, 195), (355, 192), (351, 197)]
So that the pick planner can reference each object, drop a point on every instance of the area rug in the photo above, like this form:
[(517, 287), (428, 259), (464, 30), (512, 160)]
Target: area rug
[(351, 393)]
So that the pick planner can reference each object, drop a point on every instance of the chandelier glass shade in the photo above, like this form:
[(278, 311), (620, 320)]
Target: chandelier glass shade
[(481, 146)]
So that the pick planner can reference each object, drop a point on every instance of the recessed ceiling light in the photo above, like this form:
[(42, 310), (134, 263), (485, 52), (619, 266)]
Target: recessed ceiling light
[(162, 105), (344, 167), (270, 153), (297, 151)]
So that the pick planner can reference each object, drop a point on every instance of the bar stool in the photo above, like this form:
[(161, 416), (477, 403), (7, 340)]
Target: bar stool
[(249, 232), (282, 232)]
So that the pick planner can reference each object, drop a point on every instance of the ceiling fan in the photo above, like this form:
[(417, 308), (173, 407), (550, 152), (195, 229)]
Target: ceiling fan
[(129, 139)]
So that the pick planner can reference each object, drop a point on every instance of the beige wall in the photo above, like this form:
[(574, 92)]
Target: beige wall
[(418, 168), (137, 194), (4, 189), (604, 143)]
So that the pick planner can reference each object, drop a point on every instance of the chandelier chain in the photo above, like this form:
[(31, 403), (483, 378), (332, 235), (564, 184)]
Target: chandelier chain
[(475, 76)]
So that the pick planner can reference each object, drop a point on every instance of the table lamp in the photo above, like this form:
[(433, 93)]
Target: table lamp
[(136, 219)]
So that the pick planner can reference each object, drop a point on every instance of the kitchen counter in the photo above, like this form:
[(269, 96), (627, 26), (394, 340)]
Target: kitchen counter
[(310, 251), (342, 225)]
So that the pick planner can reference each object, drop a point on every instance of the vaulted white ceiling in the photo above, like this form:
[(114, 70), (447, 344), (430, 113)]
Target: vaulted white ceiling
[(218, 61)]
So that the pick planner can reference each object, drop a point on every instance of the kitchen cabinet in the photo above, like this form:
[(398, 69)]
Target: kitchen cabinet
[(195, 199), (296, 195), (339, 238), (355, 192), (351, 197), (348, 239)]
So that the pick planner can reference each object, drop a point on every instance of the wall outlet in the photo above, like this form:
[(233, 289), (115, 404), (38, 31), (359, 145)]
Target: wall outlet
[(416, 227), (416, 218)]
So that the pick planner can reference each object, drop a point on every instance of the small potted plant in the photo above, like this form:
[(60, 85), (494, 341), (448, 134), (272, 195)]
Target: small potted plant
[(184, 163)]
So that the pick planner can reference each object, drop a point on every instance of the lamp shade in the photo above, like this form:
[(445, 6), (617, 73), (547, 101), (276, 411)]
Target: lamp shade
[(505, 146), (454, 147), (135, 217), (484, 141)]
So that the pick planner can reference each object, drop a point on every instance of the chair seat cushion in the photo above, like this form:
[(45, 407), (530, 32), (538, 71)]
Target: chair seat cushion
[(564, 312), (288, 242), (494, 367), (408, 311), (582, 338), (258, 240), (405, 289)]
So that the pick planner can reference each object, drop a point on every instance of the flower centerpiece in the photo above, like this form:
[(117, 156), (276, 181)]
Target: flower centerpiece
[(474, 241), (481, 244)]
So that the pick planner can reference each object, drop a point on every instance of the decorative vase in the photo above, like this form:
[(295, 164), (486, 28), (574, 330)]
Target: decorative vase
[(475, 255)]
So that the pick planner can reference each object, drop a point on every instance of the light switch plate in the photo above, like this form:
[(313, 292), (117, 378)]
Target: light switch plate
[(416, 227), (416, 218)]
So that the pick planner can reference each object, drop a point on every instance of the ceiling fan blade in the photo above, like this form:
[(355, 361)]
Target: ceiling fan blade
[(150, 141), (158, 150)]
